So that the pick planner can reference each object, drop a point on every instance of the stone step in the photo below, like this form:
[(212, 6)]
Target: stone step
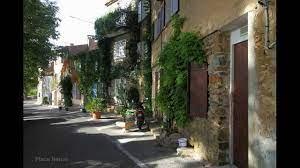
[(185, 151), (120, 124)]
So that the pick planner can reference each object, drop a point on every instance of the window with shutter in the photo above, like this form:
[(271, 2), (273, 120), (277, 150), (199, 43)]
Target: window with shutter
[(155, 29), (175, 6), (162, 15), (159, 21), (168, 10), (197, 90), (139, 11)]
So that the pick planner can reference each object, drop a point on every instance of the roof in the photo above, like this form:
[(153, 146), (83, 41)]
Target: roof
[(75, 49), (93, 45)]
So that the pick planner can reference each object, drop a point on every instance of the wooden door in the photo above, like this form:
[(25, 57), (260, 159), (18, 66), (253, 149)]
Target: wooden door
[(240, 105), (197, 90)]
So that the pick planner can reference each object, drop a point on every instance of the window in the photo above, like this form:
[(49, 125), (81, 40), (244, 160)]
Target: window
[(175, 6), (167, 10), (121, 20), (143, 10), (140, 11), (119, 50)]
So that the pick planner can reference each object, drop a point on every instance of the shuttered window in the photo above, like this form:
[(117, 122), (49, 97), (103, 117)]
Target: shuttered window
[(197, 90), (167, 10), (139, 11), (175, 6)]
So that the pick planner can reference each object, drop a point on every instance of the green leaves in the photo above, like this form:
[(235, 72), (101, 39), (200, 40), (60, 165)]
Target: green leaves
[(40, 24), (182, 48), (66, 89), (96, 105)]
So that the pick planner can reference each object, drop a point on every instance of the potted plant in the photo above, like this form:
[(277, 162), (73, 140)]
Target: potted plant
[(95, 106)]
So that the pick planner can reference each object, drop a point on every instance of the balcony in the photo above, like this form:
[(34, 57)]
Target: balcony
[(121, 26)]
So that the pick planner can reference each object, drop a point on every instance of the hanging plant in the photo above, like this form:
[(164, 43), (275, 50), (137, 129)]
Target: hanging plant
[(66, 89)]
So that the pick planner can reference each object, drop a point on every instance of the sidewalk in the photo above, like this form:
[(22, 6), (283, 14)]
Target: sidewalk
[(143, 148)]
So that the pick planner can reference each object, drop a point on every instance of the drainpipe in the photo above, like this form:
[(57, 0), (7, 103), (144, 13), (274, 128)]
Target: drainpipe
[(265, 4)]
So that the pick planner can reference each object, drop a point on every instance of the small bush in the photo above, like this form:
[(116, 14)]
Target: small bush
[(96, 105)]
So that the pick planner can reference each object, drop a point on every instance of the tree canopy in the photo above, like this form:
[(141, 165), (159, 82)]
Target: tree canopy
[(40, 24)]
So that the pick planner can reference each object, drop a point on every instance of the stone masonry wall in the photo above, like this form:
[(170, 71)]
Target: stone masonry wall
[(210, 137), (262, 104)]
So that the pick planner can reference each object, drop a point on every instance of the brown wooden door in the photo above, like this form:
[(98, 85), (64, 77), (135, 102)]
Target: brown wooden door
[(240, 105), (197, 90)]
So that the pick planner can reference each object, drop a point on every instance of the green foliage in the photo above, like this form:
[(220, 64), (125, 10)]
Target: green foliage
[(112, 22), (178, 52), (32, 92), (96, 105), (133, 96), (45, 100), (66, 89), (121, 110), (40, 24), (146, 59), (122, 95), (88, 68)]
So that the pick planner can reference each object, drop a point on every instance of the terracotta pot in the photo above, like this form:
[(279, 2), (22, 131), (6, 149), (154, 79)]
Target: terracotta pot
[(96, 115)]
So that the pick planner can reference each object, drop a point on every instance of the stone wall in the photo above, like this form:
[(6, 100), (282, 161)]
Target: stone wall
[(262, 92), (210, 136)]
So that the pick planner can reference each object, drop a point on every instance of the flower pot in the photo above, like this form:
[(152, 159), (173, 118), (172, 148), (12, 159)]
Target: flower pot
[(96, 115)]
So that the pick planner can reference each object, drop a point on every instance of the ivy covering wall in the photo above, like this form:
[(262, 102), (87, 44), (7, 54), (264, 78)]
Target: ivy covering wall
[(178, 52)]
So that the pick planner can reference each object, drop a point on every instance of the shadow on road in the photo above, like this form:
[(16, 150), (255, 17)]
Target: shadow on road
[(50, 143)]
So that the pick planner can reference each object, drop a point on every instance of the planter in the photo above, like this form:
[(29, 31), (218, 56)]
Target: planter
[(129, 125), (96, 115)]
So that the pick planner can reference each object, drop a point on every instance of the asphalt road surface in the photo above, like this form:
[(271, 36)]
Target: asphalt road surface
[(55, 139)]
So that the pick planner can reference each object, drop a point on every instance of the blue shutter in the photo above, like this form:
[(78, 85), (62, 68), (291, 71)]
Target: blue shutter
[(162, 16), (139, 11), (175, 6), (155, 28), (168, 10)]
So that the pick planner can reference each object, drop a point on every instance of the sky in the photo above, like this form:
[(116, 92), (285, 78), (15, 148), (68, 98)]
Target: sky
[(73, 30)]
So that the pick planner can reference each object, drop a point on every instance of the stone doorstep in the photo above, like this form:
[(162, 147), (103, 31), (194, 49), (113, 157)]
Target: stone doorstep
[(125, 125), (155, 132), (120, 124), (185, 151)]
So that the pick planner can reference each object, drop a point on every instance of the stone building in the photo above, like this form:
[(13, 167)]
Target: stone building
[(239, 122)]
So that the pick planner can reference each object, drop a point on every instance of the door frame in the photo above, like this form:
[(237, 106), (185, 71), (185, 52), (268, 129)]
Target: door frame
[(235, 37)]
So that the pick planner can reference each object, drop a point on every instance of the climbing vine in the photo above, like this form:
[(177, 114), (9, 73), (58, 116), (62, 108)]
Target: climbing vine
[(178, 52), (87, 68), (145, 62), (66, 89)]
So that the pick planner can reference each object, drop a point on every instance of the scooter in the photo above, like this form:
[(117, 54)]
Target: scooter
[(140, 117)]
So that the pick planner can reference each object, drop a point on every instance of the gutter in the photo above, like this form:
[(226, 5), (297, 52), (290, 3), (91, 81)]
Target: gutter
[(265, 4)]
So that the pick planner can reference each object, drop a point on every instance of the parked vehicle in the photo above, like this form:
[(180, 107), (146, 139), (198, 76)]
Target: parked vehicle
[(140, 116)]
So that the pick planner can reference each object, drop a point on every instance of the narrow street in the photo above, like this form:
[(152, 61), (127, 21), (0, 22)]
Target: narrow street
[(55, 138)]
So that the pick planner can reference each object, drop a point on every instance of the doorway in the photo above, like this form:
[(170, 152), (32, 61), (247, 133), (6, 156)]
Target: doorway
[(240, 104)]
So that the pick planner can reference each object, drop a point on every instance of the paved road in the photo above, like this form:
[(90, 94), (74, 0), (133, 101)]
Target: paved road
[(57, 139)]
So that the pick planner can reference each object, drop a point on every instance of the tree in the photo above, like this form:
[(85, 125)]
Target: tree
[(40, 24)]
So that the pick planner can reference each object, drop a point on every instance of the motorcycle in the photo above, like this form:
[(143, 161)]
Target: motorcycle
[(140, 117)]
